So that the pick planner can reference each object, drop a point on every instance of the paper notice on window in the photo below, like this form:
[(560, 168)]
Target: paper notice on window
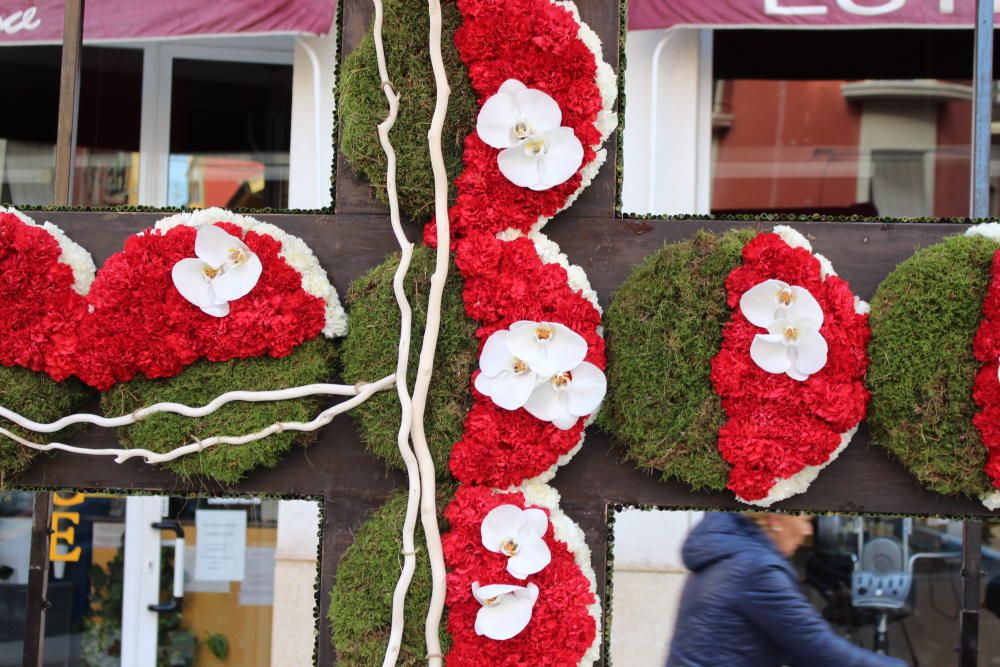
[(192, 585), (220, 545), (257, 587)]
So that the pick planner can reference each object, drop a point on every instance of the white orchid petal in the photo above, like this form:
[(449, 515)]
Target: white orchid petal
[(532, 557), (238, 281), (563, 157), (484, 593), (212, 245), (219, 310), (535, 523), (770, 354), (565, 421), (189, 278), (547, 404), (509, 617), (795, 375), (804, 305), (519, 168), (511, 87), (812, 350), (502, 523), (562, 351), (539, 110), (496, 120), (808, 323), (586, 390), (521, 324), (759, 304), (495, 357), (508, 390)]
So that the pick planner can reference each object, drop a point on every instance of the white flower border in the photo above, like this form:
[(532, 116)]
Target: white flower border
[(566, 531), (607, 120), (293, 249), (799, 482), (72, 254)]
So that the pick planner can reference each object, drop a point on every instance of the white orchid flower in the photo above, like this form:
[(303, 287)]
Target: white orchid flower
[(225, 270), (568, 395), (793, 347), (792, 316), (546, 347), (504, 377), (506, 609), (517, 534), (773, 300), (525, 123)]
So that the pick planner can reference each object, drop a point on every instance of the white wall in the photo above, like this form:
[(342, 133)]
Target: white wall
[(293, 631), (667, 139), (648, 578), (311, 158)]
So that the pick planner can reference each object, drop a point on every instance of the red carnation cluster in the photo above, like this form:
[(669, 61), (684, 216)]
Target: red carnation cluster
[(561, 628), (39, 310), (141, 324), (535, 42), (986, 391), (134, 320), (777, 425), (505, 282)]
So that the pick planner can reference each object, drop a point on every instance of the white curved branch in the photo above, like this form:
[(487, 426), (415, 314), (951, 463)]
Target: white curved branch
[(402, 360), (428, 500), (365, 391), (181, 409)]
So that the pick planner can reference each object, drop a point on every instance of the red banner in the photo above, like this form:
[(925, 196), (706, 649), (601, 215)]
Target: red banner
[(653, 14), (41, 21)]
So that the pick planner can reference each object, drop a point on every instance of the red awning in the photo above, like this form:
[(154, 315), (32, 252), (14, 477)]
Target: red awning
[(656, 14), (41, 21)]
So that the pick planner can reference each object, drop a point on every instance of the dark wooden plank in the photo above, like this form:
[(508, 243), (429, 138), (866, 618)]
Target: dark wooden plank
[(69, 98), (38, 583)]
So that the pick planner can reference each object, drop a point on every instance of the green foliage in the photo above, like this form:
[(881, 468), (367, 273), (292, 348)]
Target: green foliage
[(371, 348), (37, 397), (363, 105), (309, 363), (101, 641), (924, 316), (218, 645), (663, 328), (361, 600)]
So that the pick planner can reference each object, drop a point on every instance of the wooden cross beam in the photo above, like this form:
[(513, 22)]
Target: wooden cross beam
[(351, 483)]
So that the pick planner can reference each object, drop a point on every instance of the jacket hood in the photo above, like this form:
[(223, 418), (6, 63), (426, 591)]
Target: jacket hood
[(720, 536)]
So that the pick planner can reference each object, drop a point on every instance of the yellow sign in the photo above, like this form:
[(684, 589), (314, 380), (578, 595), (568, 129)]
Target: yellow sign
[(67, 534)]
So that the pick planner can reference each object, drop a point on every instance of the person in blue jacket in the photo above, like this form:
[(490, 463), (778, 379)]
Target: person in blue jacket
[(742, 606)]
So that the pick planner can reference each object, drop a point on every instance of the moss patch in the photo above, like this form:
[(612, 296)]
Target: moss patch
[(309, 363), (663, 328), (37, 397), (924, 317), (363, 106), (371, 347), (361, 600)]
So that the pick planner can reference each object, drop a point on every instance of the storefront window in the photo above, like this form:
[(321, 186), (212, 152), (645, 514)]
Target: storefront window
[(107, 157), (230, 131)]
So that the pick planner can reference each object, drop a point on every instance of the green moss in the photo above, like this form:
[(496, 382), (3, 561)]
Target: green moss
[(37, 397), (663, 328), (200, 383), (363, 105), (371, 348), (924, 316), (361, 599)]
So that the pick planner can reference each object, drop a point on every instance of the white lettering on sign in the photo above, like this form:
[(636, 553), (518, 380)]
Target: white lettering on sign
[(20, 20), (853, 7), (775, 8)]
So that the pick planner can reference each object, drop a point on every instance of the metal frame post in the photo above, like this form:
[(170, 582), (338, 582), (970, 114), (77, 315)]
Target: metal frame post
[(972, 544), (982, 110)]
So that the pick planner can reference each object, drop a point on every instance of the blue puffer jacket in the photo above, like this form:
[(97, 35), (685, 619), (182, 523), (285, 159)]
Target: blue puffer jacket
[(742, 606)]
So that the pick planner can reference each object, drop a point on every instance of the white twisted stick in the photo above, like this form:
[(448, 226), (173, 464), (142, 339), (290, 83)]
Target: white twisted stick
[(402, 360), (181, 409), (428, 501), (365, 391)]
